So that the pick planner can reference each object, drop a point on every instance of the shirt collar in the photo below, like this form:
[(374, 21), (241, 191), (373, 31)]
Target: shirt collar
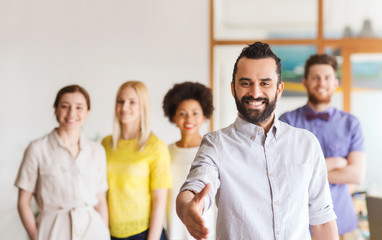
[(56, 141), (248, 129), (330, 110)]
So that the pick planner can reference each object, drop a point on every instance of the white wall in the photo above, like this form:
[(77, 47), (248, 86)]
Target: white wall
[(45, 45)]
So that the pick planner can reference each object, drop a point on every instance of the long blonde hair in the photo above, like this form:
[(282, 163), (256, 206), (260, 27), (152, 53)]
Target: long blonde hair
[(145, 110)]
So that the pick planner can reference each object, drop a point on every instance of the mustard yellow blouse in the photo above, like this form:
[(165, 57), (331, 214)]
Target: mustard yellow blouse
[(132, 175)]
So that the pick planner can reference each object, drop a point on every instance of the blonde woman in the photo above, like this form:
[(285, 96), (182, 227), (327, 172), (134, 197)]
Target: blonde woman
[(138, 168), (187, 105), (66, 173)]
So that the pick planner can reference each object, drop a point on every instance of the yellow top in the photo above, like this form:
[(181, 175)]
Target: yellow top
[(132, 175)]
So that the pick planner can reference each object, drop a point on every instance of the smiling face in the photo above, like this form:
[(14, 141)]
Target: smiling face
[(320, 84), (127, 106), (256, 89), (72, 111), (189, 117)]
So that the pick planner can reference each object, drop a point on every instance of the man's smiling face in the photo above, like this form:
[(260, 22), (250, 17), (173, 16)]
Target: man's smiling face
[(256, 89)]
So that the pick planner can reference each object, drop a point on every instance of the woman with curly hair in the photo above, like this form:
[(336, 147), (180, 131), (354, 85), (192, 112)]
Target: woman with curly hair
[(187, 105)]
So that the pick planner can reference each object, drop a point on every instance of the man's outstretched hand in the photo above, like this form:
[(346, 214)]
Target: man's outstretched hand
[(189, 207)]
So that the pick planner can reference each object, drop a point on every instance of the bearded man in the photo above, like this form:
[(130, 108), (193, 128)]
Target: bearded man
[(339, 134), (269, 179)]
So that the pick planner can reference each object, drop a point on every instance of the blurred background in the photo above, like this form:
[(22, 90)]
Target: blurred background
[(45, 45)]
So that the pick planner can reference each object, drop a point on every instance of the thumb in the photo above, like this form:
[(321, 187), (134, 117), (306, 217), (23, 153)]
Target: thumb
[(204, 192)]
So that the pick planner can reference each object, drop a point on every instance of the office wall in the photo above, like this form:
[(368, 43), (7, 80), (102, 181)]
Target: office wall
[(45, 45)]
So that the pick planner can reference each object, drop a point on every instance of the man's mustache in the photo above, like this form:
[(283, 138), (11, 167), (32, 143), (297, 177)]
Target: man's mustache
[(250, 98)]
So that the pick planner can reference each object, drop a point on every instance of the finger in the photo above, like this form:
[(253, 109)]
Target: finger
[(199, 233), (204, 192), (197, 223)]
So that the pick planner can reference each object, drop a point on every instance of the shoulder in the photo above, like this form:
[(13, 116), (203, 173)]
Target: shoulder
[(94, 146), (41, 142), (107, 142), (350, 121), (299, 134), (156, 143), (345, 115), (288, 116)]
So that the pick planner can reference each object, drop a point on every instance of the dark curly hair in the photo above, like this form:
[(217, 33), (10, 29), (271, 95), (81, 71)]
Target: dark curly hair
[(186, 91)]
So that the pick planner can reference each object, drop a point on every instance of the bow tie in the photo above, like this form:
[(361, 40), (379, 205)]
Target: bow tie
[(311, 115)]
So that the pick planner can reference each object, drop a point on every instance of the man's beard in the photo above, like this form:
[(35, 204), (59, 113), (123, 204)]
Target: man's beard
[(255, 116), (317, 100)]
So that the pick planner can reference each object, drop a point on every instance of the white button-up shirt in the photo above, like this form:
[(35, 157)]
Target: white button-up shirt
[(266, 186)]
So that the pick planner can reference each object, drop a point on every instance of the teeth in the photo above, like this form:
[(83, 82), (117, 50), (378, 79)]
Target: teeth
[(255, 103)]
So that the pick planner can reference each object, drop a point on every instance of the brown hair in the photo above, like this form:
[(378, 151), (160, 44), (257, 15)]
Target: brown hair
[(320, 59), (72, 89)]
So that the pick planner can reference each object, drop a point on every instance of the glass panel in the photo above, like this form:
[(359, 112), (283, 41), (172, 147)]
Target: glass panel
[(272, 19), (367, 91), (352, 18)]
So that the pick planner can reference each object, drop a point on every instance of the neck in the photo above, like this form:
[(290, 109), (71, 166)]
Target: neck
[(267, 124), (319, 107), (130, 131), (69, 138), (189, 141)]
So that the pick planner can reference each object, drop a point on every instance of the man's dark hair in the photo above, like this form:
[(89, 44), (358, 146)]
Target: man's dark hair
[(320, 59), (186, 91), (258, 50)]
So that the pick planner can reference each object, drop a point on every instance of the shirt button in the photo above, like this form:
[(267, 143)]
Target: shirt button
[(267, 146), (271, 174), (276, 203), (252, 138), (277, 232), (259, 130)]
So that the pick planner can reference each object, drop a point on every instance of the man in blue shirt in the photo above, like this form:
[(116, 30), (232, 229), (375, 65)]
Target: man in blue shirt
[(339, 134), (268, 178)]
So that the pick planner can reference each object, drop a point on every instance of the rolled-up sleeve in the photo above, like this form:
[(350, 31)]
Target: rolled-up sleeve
[(320, 200), (204, 169)]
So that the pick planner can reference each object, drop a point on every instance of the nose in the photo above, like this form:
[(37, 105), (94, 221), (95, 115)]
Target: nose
[(321, 81), (255, 91), (72, 111), (125, 106)]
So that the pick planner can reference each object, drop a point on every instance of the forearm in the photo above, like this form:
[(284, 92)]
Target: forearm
[(102, 208), (158, 208), (353, 172), (26, 213), (326, 231), (346, 175), (333, 163)]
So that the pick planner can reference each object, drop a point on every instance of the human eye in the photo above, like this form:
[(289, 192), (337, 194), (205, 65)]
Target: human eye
[(315, 77), (64, 105), (245, 83), (265, 84), (120, 101), (182, 114), (196, 113)]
